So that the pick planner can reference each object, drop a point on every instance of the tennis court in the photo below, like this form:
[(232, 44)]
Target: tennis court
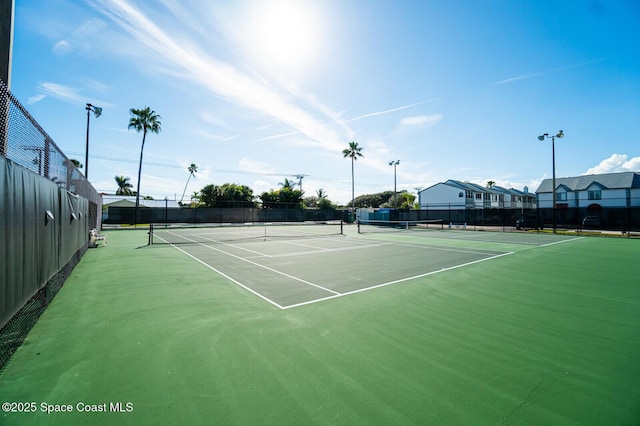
[(421, 327), (296, 265)]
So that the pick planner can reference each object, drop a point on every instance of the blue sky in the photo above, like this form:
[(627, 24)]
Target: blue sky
[(254, 92)]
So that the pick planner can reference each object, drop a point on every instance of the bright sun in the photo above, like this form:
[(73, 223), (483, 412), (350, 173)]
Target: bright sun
[(283, 35)]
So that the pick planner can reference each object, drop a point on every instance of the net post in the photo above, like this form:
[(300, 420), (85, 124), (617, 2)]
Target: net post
[(150, 234), (341, 228), (358, 223)]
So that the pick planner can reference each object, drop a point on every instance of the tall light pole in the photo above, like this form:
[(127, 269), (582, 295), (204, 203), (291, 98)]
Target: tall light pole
[(560, 135), (394, 163), (97, 111)]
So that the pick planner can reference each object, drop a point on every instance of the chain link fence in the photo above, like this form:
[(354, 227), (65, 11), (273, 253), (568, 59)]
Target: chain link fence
[(24, 142), (47, 207)]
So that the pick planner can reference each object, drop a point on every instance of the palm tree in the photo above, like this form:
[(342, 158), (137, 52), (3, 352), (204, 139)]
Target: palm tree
[(321, 194), (145, 120), (354, 151), (491, 184), (192, 169), (287, 184), (124, 187), (195, 199)]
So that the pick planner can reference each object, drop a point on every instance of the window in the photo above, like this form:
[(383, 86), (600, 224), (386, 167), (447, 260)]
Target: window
[(595, 195), (478, 196), (561, 196), (461, 194), (469, 194)]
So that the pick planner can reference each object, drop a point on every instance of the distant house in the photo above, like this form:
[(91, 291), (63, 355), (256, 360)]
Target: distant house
[(456, 195), (130, 201), (592, 191), (111, 203)]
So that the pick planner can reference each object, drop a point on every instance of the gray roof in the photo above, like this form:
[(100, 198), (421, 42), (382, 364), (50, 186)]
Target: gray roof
[(625, 180)]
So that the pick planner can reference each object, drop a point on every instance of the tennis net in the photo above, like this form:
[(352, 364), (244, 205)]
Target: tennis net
[(378, 226), (175, 233)]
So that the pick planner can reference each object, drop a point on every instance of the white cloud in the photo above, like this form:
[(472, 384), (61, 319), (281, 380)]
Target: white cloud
[(614, 164), (541, 73), (60, 91), (215, 136), (80, 41), (186, 58), (62, 47), (247, 165), (35, 98), (260, 186), (89, 27), (421, 120), (373, 114)]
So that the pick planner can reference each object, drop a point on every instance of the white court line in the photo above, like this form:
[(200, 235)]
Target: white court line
[(228, 277), (560, 242), (335, 294), (320, 250), (453, 249), (396, 281), (261, 254), (253, 263), (270, 269)]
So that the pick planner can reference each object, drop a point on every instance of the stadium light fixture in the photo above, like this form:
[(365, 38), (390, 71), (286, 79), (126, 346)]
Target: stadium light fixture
[(97, 111), (394, 163), (559, 135)]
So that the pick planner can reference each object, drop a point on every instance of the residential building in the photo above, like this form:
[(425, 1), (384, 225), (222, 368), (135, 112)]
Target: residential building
[(456, 195), (592, 191)]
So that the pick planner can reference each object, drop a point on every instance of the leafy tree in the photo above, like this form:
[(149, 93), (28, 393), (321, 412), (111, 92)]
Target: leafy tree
[(76, 163), (288, 184), (408, 200), (354, 151), (373, 200), (286, 197), (210, 195), (490, 184), (191, 169), (143, 120), (124, 186), (310, 201), (320, 200), (227, 195), (325, 204), (195, 199), (401, 200)]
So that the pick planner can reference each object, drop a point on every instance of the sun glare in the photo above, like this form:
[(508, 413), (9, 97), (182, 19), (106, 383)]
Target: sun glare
[(283, 35)]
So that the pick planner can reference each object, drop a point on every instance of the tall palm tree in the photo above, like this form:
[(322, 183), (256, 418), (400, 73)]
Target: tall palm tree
[(192, 169), (354, 151), (145, 120), (321, 194), (124, 186)]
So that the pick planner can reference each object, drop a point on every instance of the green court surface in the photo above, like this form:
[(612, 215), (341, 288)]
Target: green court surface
[(437, 327)]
